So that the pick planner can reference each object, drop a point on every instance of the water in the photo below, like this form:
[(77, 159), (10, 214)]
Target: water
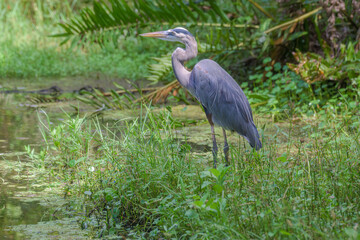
[(27, 201), (21, 194), (26, 207), (18, 128)]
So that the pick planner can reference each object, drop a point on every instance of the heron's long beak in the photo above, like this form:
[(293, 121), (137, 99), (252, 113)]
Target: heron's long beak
[(161, 34)]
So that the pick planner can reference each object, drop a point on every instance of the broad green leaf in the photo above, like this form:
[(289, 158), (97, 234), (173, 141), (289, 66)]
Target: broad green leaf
[(215, 172), (198, 203), (214, 206), (218, 188), (282, 159), (209, 202), (296, 35)]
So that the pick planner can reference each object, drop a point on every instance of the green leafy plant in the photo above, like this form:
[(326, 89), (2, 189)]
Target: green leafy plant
[(159, 70), (213, 200), (279, 92), (342, 69)]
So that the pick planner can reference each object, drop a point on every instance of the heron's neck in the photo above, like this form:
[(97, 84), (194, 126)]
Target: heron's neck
[(179, 56)]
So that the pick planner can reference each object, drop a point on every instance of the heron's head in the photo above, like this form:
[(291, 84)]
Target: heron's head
[(178, 34)]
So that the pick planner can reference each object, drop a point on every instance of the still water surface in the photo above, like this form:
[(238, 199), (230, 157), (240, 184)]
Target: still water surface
[(18, 128), (20, 192)]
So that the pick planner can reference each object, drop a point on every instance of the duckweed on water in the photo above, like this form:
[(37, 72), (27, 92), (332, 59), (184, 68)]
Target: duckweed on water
[(62, 229)]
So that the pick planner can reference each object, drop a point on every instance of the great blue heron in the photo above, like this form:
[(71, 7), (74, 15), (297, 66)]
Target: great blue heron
[(223, 100)]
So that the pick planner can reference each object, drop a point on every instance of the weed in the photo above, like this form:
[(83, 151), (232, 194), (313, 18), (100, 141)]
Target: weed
[(140, 181)]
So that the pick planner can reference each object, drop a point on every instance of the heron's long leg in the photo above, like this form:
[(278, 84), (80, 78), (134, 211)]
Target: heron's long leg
[(226, 148), (215, 149), (209, 117)]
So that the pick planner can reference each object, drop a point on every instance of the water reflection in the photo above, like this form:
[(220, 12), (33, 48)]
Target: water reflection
[(18, 128)]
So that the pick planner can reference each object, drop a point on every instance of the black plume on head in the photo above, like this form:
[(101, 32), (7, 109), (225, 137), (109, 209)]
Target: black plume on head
[(182, 30)]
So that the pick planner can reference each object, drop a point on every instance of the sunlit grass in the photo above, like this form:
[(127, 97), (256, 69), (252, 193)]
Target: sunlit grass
[(140, 180)]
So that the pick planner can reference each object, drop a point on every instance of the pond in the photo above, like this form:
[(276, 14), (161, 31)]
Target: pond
[(26, 201), (18, 128)]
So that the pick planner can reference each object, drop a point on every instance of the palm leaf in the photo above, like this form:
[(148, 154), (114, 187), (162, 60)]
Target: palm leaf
[(159, 70), (108, 20)]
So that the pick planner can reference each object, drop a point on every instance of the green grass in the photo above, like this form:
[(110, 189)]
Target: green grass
[(30, 62), (138, 179), (27, 51)]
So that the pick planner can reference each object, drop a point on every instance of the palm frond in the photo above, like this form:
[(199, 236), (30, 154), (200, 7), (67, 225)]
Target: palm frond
[(159, 70), (123, 16), (108, 20)]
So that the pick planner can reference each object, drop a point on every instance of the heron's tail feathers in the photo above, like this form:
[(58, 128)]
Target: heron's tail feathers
[(253, 137), (257, 144)]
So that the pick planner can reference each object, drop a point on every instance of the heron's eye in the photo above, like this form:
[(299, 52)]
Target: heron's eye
[(171, 33)]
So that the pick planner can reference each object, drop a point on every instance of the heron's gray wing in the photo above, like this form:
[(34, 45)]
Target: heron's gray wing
[(223, 98), (219, 92)]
